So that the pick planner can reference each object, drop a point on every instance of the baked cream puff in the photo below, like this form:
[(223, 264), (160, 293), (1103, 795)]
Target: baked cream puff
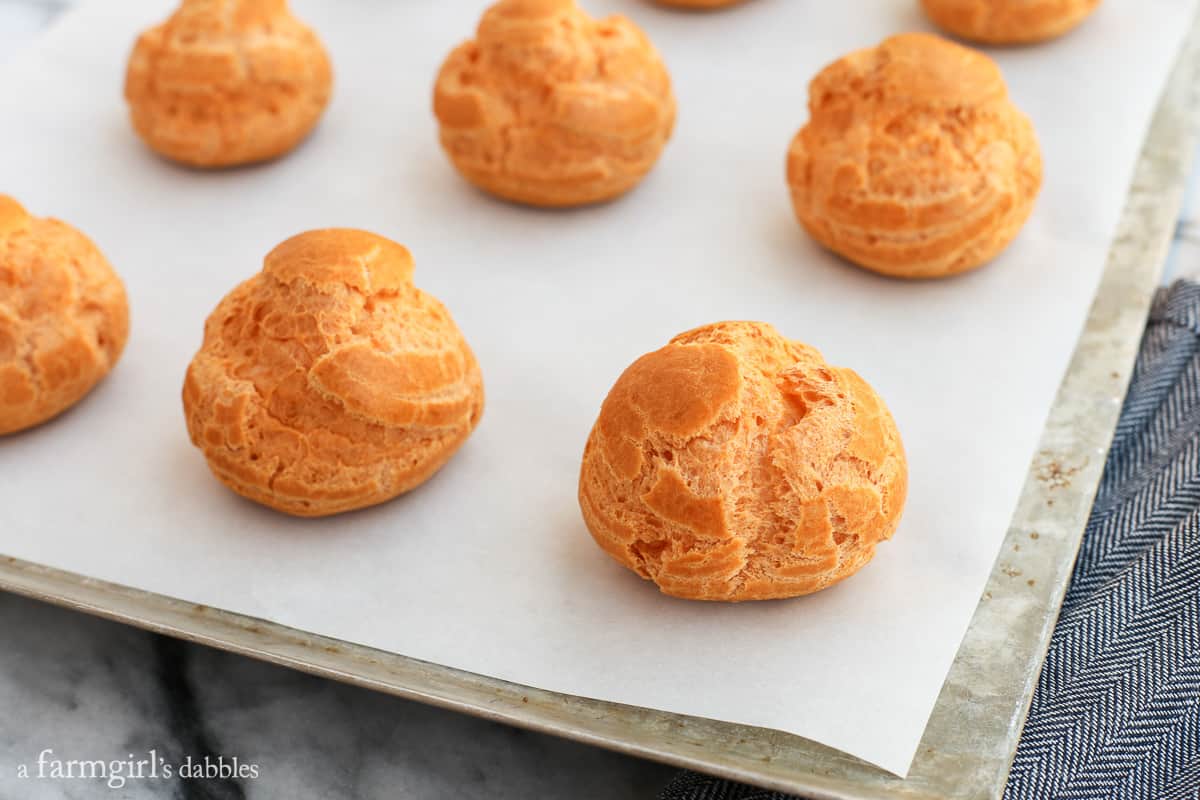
[(914, 162), (1008, 21), (227, 82), (735, 464), (64, 317), (328, 382), (549, 107)]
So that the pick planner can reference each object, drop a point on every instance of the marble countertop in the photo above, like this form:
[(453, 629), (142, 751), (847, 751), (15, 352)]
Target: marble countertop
[(75, 688), (87, 689)]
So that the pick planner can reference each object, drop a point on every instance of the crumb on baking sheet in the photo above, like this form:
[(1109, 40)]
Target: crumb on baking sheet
[(1054, 474)]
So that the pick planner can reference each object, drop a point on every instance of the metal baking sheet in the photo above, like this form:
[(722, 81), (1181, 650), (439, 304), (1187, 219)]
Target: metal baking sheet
[(971, 735)]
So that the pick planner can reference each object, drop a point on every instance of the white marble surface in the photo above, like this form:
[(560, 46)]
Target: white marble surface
[(94, 690)]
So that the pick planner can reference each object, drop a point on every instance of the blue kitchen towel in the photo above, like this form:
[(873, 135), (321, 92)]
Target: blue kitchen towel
[(1116, 713)]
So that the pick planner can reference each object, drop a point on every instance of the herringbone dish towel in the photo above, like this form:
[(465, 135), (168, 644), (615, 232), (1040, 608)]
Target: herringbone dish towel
[(1116, 713)]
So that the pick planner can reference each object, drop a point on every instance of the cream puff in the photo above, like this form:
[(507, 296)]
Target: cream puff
[(1008, 21), (549, 107), (64, 317), (734, 464), (328, 381), (914, 162), (227, 82)]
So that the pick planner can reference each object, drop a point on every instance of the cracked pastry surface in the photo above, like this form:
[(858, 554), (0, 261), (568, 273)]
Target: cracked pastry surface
[(227, 82), (734, 464), (914, 162), (1008, 21), (64, 317), (328, 381), (549, 107)]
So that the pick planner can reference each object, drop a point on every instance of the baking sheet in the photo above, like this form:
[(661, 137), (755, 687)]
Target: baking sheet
[(488, 567)]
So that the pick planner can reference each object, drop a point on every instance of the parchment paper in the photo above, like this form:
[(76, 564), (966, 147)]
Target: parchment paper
[(488, 567)]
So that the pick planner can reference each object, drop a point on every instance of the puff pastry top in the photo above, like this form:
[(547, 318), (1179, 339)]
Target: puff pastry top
[(225, 82), (549, 107), (64, 317), (735, 464), (328, 381), (1009, 21), (914, 161)]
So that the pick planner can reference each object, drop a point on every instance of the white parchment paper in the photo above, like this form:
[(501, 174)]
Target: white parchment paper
[(488, 567)]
